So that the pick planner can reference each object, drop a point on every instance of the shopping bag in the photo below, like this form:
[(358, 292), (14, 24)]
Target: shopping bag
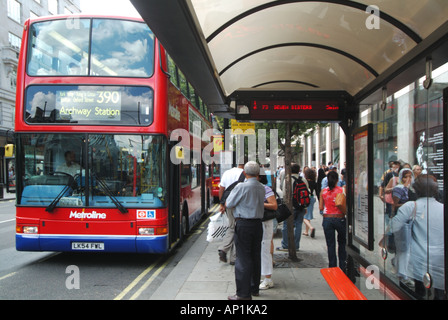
[(340, 202), (219, 223)]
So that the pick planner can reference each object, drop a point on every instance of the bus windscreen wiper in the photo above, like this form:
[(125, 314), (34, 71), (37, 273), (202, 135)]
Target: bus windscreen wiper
[(64, 190), (108, 192)]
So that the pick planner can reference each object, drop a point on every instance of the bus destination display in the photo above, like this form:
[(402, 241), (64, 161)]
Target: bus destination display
[(89, 105), (294, 110)]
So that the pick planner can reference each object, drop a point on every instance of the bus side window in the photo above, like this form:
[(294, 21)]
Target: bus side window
[(172, 70), (183, 85), (185, 175)]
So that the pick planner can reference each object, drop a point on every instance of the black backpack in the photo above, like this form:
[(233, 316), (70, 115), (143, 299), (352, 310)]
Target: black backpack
[(300, 194), (230, 188)]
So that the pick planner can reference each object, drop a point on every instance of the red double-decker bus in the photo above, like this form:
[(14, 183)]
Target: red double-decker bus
[(97, 100)]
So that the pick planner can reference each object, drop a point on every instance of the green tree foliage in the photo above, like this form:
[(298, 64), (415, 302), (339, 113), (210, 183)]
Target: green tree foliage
[(288, 132)]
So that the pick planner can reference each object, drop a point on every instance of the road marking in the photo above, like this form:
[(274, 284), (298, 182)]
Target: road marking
[(136, 281), (7, 221), (213, 210), (7, 276), (201, 227), (150, 280)]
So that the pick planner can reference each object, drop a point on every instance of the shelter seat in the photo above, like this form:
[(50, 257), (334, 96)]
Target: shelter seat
[(342, 286)]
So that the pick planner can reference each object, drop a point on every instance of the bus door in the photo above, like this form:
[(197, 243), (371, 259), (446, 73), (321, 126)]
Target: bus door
[(174, 203), (203, 176)]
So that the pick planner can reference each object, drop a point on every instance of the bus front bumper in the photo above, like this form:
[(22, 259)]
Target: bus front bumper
[(92, 243)]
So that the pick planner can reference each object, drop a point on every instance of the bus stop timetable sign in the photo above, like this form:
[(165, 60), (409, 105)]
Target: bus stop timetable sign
[(294, 110)]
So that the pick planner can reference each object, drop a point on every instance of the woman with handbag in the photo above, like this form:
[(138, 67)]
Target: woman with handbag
[(310, 176), (267, 245), (333, 221), (426, 217)]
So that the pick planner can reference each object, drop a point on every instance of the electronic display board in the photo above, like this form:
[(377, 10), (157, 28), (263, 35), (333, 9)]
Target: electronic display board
[(294, 110), (89, 105)]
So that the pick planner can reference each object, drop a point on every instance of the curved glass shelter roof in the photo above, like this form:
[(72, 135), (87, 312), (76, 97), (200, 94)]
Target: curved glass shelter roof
[(286, 45)]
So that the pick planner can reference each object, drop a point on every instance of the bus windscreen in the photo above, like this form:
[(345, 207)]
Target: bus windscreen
[(91, 47)]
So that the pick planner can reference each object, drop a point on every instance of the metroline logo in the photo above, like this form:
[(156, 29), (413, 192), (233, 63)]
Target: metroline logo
[(87, 215)]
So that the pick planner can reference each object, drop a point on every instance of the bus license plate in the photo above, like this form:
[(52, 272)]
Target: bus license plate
[(87, 246)]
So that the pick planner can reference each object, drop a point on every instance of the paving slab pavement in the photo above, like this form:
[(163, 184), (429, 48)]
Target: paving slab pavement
[(201, 276)]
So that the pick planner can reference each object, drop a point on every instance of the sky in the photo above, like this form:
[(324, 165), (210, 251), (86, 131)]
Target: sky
[(109, 7)]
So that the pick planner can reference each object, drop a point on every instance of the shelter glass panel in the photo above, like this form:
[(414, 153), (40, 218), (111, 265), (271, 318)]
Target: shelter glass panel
[(409, 190)]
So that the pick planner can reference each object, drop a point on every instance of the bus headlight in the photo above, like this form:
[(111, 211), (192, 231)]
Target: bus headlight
[(145, 231), (30, 230)]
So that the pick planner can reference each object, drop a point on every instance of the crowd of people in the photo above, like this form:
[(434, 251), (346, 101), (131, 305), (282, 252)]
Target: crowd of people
[(413, 220), (414, 226), (249, 243)]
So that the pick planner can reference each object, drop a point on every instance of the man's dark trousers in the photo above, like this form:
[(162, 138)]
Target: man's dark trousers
[(248, 236)]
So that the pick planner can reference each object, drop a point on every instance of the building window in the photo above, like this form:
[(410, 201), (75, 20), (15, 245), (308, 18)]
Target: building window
[(13, 78), (334, 132), (14, 41), (323, 137), (14, 10)]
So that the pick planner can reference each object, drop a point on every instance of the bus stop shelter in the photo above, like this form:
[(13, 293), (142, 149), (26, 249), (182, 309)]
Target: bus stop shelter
[(229, 47), (355, 54)]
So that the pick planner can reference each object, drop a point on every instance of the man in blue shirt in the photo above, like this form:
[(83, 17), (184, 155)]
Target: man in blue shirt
[(247, 200)]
